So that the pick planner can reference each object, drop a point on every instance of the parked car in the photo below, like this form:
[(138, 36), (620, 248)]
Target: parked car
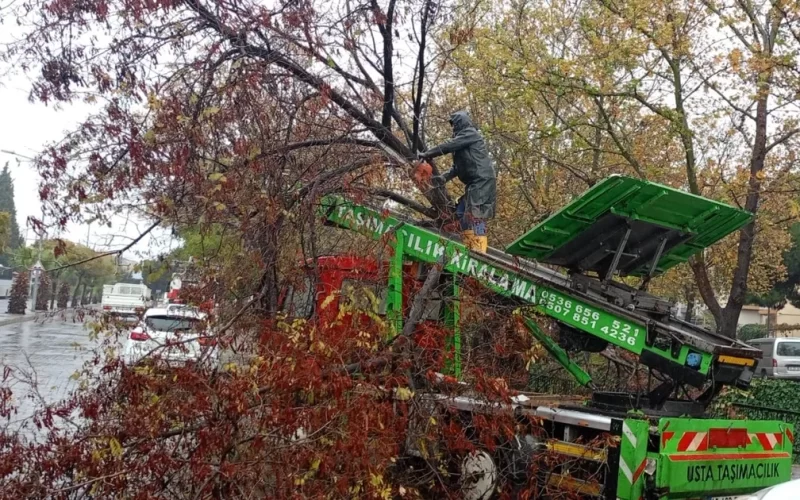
[(125, 299), (789, 490), (180, 308), (781, 357), (173, 336)]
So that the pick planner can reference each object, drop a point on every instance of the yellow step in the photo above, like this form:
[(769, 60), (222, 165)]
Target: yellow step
[(562, 483), (577, 450)]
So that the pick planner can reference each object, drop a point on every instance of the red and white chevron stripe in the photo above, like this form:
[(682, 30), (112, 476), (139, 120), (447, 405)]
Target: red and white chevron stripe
[(767, 439), (631, 475), (693, 441), (699, 441)]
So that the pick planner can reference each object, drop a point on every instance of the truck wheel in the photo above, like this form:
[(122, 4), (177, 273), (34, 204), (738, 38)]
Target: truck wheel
[(478, 476)]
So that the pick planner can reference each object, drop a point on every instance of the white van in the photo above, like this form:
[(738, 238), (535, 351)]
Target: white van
[(780, 359), (125, 299)]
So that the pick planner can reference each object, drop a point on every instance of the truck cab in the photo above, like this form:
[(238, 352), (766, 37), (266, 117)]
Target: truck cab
[(332, 281), (346, 293)]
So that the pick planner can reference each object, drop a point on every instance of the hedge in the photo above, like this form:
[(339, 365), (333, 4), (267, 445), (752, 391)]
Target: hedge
[(750, 332)]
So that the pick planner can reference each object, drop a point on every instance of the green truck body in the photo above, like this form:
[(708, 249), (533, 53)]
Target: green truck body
[(704, 457)]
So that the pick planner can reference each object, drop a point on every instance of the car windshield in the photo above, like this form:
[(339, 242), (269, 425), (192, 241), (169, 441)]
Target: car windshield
[(172, 323), (789, 348)]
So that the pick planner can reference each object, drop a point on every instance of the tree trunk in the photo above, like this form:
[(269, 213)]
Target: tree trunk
[(74, 301), (688, 316), (747, 235), (54, 292), (86, 290), (697, 263)]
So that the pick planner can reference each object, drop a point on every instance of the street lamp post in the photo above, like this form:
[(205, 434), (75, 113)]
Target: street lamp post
[(36, 273)]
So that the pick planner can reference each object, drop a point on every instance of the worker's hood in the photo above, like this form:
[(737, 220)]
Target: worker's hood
[(460, 121)]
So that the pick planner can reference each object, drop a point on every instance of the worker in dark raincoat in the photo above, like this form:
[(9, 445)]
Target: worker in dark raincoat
[(473, 167)]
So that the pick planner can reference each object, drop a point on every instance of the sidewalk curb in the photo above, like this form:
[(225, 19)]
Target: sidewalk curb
[(20, 319), (24, 318)]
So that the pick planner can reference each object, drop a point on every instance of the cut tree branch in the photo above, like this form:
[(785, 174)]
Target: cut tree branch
[(113, 252)]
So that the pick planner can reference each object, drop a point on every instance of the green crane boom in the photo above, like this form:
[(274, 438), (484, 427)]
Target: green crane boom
[(621, 225)]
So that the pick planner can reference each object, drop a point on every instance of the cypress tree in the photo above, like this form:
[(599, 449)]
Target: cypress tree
[(7, 205), (18, 301)]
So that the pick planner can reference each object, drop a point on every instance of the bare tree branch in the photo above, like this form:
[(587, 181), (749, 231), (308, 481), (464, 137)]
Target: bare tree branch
[(782, 138), (416, 143), (113, 252), (387, 193), (388, 58)]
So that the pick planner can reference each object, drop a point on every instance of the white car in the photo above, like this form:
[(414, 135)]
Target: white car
[(172, 336), (789, 490)]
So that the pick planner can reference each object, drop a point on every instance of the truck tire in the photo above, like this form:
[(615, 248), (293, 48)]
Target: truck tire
[(478, 476)]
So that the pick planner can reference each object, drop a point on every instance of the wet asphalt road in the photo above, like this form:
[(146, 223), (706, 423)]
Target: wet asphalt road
[(42, 355)]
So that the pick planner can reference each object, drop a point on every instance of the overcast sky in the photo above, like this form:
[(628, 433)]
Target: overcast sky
[(24, 129)]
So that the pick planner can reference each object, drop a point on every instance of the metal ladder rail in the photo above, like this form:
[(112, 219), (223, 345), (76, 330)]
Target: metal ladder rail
[(682, 331)]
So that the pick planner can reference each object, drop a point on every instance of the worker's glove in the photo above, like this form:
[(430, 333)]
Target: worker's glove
[(438, 180)]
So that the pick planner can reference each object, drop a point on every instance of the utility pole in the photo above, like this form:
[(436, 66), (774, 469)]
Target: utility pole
[(36, 273), (38, 268)]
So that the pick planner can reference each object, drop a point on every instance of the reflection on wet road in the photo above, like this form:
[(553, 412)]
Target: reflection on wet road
[(46, 352)]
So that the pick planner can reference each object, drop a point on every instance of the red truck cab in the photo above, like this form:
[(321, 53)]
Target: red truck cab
[(346, 292)]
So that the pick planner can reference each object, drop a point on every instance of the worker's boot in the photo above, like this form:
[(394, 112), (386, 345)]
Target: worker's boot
[(468, 238), (482, 244), (474, 243)]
